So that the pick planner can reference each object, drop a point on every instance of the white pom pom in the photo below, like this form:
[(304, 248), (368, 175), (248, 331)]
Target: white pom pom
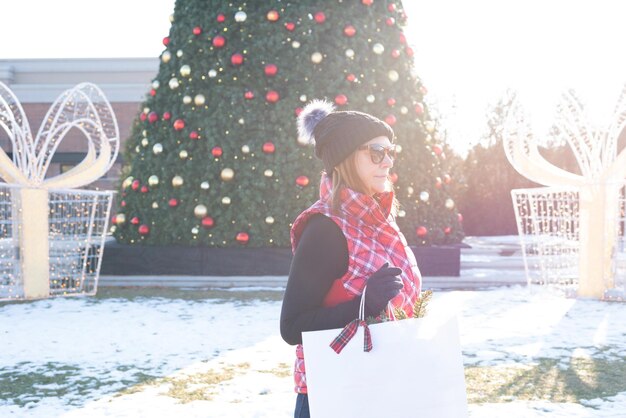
[(310, 116)]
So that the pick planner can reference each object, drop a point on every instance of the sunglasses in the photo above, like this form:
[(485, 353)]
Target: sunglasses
[(378, 152)]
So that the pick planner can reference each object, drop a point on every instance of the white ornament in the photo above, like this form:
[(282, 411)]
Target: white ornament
[(295, 44), (157, 149), (303, 98), (185, 70), (449, 203), (269, 220), (166, 56), (370, 98), (212, 73), (174, 83), (350, 53), (155, 84), (199, 99), (226, 200), (268, 173), (240, 16), (378, 48), (245, 149), (187, 100), (204, 185), (316, 57), (424, 196), (179, 53), (393, 75)]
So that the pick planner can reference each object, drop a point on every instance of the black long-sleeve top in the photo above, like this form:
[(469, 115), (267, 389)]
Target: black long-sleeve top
[(320, 258)]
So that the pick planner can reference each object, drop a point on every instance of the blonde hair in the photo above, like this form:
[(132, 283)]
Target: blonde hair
[(345, 175)]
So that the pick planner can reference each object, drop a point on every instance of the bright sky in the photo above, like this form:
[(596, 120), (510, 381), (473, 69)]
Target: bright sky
[(467, 53)]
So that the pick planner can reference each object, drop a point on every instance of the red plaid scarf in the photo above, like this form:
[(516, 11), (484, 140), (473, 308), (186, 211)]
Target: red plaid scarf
[(373, 239)]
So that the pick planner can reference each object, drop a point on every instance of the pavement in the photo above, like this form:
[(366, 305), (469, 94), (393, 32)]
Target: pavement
[(488, 262)]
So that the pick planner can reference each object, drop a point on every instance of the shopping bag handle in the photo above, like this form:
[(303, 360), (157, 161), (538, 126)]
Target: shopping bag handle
[(349, 331)]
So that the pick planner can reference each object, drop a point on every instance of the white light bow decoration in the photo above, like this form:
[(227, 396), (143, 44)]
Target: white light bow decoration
[(83, 108), (598, 185)]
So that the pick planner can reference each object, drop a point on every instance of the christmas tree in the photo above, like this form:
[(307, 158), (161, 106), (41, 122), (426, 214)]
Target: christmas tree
[(214, 158)]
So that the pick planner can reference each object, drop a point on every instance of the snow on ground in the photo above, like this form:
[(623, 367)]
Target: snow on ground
[(92, 349)]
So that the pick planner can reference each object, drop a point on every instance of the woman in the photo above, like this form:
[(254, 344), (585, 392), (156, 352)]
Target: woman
[(348, 238)]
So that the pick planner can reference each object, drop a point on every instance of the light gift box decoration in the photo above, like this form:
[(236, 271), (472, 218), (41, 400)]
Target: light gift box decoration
[(52, 233), (577, 222)]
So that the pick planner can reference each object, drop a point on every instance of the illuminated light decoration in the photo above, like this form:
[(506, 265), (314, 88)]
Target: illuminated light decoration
[(271, 70), (218, 41), (197, 30), (391, 120), (349, 31), (194, 135), (290, 26), (319, 17), (166, 41), (179, 125), (302, 181), (273, 16), (341, 100), (421, 231), (272, 96), (207, 222), (236, 59), (242, 237), (220, 18), (173, 202), (144, 230), (216, 152), (248, 95), (269, 147)]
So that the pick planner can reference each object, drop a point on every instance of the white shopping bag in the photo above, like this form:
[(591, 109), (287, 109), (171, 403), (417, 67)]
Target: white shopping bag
[(414, 369)]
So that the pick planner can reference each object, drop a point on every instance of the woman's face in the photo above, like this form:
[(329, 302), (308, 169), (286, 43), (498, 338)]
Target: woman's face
[(374, 175)]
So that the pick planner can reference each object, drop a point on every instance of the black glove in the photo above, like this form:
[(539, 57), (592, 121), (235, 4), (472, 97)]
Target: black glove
[(382, 286)]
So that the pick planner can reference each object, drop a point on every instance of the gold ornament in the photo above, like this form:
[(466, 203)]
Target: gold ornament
[(269, 220), (199, 99), (378, 49), (120, 218), (410, 190), (166, 56), (268, 173), (127, 182), (157, 149), (227, 174), (153, 180), (183, 154), (393, 75), (200, 211), (173, 83), (137, 149), (204, 185), (449, 203), (185, 70), (316, 57), (186, 99), (177, 181), (226, 200)]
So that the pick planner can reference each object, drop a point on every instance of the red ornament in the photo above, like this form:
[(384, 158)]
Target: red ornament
[(249, 95), (167, 115), (194, 135), (390, 21), (142, 117), (269, 148), (271, 70), (349, 31), (123, 203), (134, 220), (220, 18), (341, 99), (409, 51), (367, 2), (302, 181), (447, 230), (272, 96), (152, 92), (391, 101), (438, 182), (459, 217), (197, 30), (273, 16), (290, 26), (419, 109), (351, 78), (207, 222), (179, 124), (166, 41), (395, 53), (144, 189), (144, 230), (216, 152), (242, 237), (391, 7), (391, 120), (173, 202), (437, 149), (298, 111), (320, 17), (393, 177), (447, 179), (135, 185), (219, 41), (423, 90), (236, 59), (402, 38), (153, 117), (421, 231)]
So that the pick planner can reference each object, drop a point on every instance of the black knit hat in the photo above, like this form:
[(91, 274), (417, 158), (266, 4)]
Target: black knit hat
[(338, 134)]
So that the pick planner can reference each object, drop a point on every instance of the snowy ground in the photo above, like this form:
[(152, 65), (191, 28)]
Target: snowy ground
[(83, 357)]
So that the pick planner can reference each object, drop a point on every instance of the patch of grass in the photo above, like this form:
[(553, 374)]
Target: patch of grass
[(583, 378), (282, 370)]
